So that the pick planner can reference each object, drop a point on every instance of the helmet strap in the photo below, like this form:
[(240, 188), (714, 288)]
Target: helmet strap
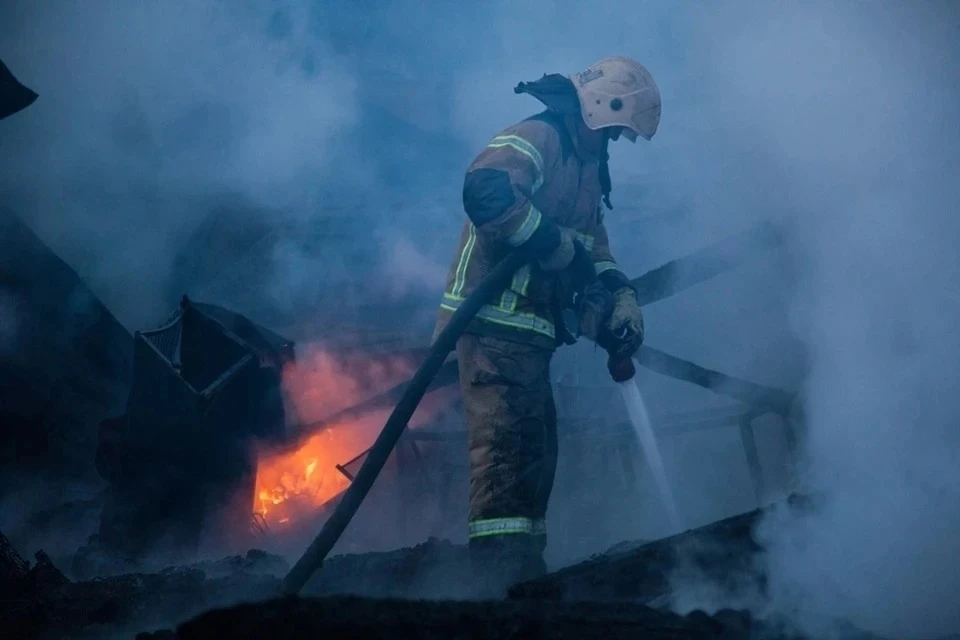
[(606, 186)]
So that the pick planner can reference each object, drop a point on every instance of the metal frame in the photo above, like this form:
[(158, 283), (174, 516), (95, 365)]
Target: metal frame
[(669, 426)]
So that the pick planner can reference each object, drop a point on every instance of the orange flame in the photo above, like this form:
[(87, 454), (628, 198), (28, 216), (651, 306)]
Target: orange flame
[(302, 480), (291, 484)]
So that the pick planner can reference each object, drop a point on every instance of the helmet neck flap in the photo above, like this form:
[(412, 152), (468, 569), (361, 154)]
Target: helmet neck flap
[(558, 94)]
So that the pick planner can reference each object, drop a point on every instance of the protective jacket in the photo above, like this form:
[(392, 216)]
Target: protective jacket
[(530, 180)]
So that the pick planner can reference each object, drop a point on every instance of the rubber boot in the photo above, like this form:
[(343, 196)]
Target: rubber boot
[(499, 562)]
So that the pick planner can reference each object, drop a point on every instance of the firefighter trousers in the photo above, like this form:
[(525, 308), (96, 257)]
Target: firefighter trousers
[(512, 435)]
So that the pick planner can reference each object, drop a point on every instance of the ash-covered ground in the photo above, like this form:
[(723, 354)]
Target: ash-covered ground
[(632, 591)]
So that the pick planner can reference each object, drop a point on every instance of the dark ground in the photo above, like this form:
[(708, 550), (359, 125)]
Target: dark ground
[(365, 618), (420, 592)]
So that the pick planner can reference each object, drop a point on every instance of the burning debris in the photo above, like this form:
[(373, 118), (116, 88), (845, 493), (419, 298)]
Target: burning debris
[(303, 477), (245, 442), (303, 481)]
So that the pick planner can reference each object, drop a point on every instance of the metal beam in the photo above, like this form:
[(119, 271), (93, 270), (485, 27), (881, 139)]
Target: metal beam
[(704, 264), (750, 393)]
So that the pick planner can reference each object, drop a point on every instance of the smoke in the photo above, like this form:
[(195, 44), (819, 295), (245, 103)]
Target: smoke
[(873, 234), (151, 113), (323, 382), (409, 270), (816, 121)]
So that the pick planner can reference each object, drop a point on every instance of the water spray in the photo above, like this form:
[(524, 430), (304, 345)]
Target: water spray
[(623, 371)]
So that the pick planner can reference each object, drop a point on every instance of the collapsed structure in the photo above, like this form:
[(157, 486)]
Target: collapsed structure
[(181, 460)]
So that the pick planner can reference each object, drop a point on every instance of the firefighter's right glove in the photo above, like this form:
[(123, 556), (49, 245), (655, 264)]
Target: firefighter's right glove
[(626, 321), (563, 255)]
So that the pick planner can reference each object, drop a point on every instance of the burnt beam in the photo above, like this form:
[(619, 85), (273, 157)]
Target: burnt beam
[(704, 264), (769, 399)]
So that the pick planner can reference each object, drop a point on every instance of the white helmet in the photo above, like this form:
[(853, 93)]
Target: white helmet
[(619, 92)]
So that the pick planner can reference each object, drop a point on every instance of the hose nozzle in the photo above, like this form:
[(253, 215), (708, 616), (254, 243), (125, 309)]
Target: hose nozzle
[(621, 368)]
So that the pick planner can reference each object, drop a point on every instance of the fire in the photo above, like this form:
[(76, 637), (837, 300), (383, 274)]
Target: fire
[(292, 484)]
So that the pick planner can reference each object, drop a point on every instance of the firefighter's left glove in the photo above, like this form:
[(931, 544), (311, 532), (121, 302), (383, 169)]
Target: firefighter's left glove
[(626, 321)]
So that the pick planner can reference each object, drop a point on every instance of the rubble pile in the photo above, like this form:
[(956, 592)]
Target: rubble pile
[(13, 568), (436, 569), (39, 601), (419, 592), (377, 619), (723, 553)]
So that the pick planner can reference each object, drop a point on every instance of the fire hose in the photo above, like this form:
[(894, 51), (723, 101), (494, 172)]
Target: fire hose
[(381, 449)]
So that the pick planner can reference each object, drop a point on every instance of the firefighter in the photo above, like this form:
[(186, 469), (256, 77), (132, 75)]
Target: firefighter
[(540, 186)]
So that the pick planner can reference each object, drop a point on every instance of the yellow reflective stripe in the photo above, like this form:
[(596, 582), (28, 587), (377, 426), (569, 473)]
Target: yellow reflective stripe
[(500, 526), (465, 255), (519, 285), (526, 229), (521, 280), (505, 317), (604, 265), (524, 321), (521, 145)]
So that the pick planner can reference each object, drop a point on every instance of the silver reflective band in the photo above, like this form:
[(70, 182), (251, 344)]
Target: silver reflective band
[(500, 526), (507, 526), (602, 266)]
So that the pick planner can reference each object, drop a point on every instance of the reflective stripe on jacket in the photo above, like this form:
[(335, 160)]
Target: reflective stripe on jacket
[(526, 183)]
